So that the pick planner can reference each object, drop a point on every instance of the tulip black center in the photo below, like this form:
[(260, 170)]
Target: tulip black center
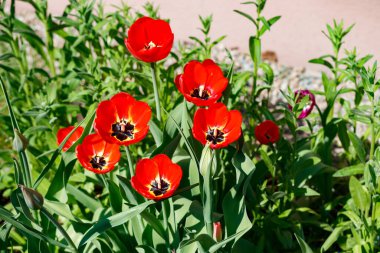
[(215, 136), (98, 162), (123, 130), (159, 187), (268, 136), (200, 93)]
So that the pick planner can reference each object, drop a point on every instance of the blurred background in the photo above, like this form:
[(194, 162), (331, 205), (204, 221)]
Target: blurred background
[(295, 39)]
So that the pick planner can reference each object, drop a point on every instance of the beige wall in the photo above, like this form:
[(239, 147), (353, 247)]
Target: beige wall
[(296, 38)]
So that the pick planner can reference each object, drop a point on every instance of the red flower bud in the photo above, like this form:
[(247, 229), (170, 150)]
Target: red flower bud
[(218, 232), (267, 132)]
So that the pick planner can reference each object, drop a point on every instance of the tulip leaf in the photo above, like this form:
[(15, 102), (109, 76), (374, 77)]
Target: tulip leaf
[(113, 221), (305, 248)]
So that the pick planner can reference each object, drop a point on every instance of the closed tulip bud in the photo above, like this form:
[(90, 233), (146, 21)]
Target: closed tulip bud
[(33, 199), (218, 233), (20, 143)]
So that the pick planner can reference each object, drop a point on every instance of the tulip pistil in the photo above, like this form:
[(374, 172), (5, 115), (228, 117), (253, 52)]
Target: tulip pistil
[(98, 162), (150, 45), (200, 93), (159, 187), (215, 136), (123, 130)]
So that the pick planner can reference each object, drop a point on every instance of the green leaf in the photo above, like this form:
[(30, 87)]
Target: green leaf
[(322, 62), (115, 197), (145, 249), (221, 244), (61, 209), (187, 143), (246, 16), (359, 194), (268, 162), (343, 136), (255, 49), (156, 132), (358, 145), (333, 237), (356, 169), (113, 221), (270, 23), (235, 215), (305, 248), (57, 188), (83, 198), (7, 217), (243, 165)]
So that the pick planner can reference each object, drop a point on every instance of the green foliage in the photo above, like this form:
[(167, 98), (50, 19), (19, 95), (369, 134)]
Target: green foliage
[(316, 189)]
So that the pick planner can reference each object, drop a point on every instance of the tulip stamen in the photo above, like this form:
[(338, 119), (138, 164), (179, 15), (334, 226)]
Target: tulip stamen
[(215, 136), (123, 130), (150, 45), (98, 162), (159, 186), (201, 93)]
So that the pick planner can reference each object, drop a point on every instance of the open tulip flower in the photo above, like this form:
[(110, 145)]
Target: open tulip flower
[(267, 132), (149, 40), (63, 132), (216, 126), (306, 110), (97, 155), (122, 120), (201, 83), (156, 178)]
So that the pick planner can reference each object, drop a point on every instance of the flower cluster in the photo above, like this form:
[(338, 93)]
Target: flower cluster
[(122, 120)]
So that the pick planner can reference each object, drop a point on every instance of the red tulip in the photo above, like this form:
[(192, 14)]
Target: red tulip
[(149, 40), (63, 132), (306, 110), (97, 155), (122, 120), (267, 132), (217, 126), (156, 178), (201, 83)]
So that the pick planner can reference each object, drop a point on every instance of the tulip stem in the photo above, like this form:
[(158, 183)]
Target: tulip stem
[(130, 163), (208, 196), (373, 134), (166, 225), (24, 159), (60, 228), (155, 89)]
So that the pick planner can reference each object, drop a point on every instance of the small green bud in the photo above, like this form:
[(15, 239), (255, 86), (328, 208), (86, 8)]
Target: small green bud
[(20, 143), (33, 199)]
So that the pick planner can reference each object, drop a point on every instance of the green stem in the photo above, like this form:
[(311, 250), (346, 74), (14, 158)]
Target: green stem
[(256, 64), (166, 225), (25, 165), (208, 197), (373, 136), (175, 227), (155, 89), (60, 228), (24, 160), (130, 163)]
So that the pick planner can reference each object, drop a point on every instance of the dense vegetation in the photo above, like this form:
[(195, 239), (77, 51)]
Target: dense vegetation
[(295, 176)]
